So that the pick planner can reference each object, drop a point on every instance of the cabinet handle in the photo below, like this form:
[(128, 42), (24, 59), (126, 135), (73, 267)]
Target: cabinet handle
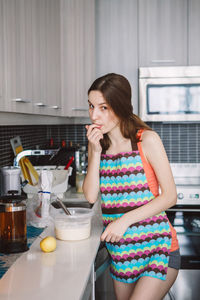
[(20, 100), (40, 104), (55, 107), (163, 60), (79, 109)]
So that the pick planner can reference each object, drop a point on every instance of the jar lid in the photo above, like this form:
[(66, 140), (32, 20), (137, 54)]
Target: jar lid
[(12, 199)]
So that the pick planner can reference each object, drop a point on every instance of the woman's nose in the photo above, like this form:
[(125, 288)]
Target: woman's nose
[(94, 114)]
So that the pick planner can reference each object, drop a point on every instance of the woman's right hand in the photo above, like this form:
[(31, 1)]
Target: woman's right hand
[(94, 136)]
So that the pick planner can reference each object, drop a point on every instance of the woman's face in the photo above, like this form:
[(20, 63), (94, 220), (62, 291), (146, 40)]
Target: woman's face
[(101, 113)]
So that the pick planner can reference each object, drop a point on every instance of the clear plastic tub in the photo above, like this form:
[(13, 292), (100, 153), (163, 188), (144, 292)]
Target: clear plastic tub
[(76, 226)]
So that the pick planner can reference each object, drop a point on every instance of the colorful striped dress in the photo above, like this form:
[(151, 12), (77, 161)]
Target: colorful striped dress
[(144, 248)]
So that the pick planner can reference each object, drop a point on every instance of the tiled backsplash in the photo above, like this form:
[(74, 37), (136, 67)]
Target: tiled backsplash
[(38, 136), (181, 141)]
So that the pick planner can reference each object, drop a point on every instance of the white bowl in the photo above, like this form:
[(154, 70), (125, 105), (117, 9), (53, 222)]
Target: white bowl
[(76, 226)]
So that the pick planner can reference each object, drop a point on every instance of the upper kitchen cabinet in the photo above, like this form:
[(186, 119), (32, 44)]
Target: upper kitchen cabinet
[(2, 70), (116, 40), (32, 56), (194, 29), (46, 56), (162, 32), (77, 55), (17, 58)]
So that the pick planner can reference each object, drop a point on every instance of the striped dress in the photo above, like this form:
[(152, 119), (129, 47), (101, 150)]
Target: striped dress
[(144, 248)]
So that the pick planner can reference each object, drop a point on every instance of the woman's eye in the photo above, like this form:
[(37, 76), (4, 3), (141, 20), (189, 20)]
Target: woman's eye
[(91, 106), (104, 107)]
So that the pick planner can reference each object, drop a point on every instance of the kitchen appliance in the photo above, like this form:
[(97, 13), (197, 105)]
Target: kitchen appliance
[(10, 180), (187, 180), (169, 93), (13, 232), (185, 215)]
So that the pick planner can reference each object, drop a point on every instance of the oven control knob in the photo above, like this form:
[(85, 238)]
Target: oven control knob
[(180, 196)]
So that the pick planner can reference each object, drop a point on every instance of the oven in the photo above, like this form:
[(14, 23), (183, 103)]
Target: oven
[(185, 217)]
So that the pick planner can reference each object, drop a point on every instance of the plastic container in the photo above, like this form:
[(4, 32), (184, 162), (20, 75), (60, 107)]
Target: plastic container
[(10, 180), (74, 227)]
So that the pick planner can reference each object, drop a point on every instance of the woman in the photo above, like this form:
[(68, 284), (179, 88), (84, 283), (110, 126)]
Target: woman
[(127, 161)]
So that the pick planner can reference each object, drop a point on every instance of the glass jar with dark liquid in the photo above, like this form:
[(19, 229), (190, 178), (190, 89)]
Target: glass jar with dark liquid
[(13, 232)]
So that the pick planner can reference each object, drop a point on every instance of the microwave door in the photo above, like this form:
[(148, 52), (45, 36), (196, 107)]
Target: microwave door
[(170, 99), (173, 99)]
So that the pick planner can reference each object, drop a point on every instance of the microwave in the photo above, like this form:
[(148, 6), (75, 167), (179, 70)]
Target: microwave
[(169, 94)]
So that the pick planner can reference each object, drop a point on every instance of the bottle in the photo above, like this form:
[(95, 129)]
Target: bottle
[(80, 159)]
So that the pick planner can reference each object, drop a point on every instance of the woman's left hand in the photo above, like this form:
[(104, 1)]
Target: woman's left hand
[(114, 231)]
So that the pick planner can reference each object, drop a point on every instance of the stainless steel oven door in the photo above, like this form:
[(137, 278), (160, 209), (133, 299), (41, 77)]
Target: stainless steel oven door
[(187, 225)]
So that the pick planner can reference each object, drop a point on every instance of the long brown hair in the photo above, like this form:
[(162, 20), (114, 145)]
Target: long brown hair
[(116, 90)]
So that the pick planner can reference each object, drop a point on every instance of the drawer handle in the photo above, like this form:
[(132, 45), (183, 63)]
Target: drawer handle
[(40, 104), (20, 100), (79, 109), (55, 107), (162, 60)]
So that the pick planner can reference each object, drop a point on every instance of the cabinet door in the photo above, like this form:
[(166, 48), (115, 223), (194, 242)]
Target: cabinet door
[(77, 55), (116, 40), (32, 56), (46, 56), (162, 32), (2, 69), (194, 29), (17, 57), (53, 74)]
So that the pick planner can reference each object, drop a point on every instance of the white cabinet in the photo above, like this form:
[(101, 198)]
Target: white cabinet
[(194, 36), (32, 56), (46, 56), (162, 32), (2, 70), (116, 42), (17, 58), (77, 55)]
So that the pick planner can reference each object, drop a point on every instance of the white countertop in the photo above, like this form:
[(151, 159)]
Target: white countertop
[(62, 274)]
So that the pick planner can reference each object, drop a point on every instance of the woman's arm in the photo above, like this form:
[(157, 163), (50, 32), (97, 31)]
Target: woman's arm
[(155, 154), (91, 181)]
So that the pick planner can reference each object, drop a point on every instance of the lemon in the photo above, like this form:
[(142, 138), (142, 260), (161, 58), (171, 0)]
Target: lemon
[(48, 244)]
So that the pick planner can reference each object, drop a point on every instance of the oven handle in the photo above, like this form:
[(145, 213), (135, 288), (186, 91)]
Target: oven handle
[(194, 261), (184, 209)]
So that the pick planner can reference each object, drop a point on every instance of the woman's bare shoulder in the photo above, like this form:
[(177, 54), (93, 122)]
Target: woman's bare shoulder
[(150, 136)]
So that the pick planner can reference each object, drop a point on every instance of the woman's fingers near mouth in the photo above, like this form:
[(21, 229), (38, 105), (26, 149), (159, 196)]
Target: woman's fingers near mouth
[(93, 126)]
